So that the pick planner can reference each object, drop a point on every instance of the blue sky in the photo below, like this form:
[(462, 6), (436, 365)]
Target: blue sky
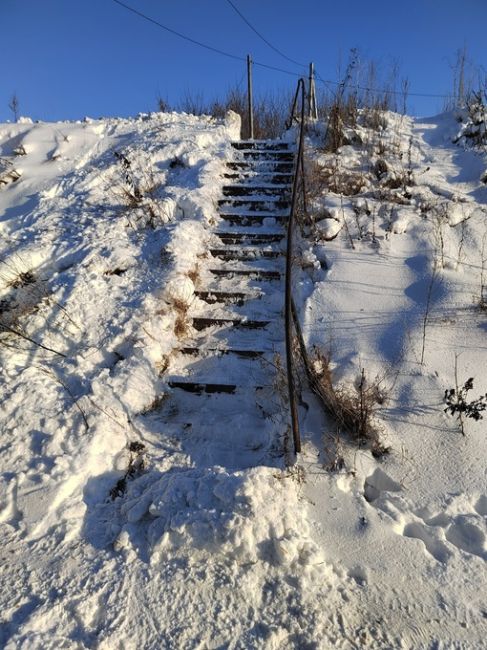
[(66, 59)]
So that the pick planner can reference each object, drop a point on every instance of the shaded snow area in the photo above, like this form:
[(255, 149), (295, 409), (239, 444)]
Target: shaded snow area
[(123, 525), (400, 299)]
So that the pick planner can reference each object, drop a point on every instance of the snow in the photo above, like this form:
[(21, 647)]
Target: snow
[(215, 540)]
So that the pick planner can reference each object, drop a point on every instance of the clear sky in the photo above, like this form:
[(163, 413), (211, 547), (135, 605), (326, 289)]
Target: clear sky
[(69, 58)]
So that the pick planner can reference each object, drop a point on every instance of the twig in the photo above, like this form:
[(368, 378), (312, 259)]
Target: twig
[(27, 338), (460, 413)]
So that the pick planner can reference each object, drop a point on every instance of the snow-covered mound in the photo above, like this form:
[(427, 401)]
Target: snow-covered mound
[(115, 533)]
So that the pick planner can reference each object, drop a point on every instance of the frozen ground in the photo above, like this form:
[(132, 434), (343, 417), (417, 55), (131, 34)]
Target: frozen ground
[(211, 550)]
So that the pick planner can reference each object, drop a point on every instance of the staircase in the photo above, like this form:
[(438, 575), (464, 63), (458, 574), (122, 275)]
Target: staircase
[(223, 379)]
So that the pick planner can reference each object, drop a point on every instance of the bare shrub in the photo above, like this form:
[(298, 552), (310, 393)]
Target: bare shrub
[(354, 407), (456, 400), (321, 179), (136, 189), (182, 326)]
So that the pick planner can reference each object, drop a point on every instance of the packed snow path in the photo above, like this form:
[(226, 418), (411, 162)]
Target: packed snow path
[(223, 375)]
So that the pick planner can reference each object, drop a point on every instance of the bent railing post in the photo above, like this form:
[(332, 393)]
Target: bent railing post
[(289, 257)]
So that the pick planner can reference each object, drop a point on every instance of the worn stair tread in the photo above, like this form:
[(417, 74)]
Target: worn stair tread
[(252, 204), (244, 219), (246, 254), (251, 273), (202, 387), (267, 154), (262, 166), (263, 144), (247, 179), (201, 323), (253, 237), (226, 297), (247, 189), (201, 351)]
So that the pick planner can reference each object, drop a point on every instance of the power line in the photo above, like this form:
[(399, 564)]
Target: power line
[(173, 31), (301, 65), (200, 44), (236, 57), (328, 82)]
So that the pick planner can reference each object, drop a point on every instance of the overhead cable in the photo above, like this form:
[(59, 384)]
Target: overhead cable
[(236, 57), (328, 82), (301, 65)]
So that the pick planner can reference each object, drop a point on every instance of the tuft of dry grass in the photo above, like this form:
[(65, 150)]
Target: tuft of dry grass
[(352, 407), (321, 179), (182, 326), (194, 274)]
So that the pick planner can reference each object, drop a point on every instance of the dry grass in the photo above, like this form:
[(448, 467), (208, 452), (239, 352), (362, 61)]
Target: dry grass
[(321, 179), (194, 274), (182, 326), (155, 405), (352, 407)]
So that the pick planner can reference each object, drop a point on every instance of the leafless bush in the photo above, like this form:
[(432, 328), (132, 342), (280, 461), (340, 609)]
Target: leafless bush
[(321, 179), (354, 407), (136, 189)]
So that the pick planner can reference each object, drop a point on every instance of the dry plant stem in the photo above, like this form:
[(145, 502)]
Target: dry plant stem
[(427, 310), (460, 414), (27, 338), (345, 223), (461, 244)]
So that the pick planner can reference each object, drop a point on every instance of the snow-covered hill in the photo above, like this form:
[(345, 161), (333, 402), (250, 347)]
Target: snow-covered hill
[(113, 534)]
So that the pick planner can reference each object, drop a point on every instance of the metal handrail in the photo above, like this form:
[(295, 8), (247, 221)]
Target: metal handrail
[(290, 311)]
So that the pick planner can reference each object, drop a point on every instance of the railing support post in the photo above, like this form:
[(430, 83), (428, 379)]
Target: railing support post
[(312, 107), (250, 97)]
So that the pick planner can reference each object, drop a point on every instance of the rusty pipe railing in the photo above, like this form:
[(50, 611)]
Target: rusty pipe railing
[(290, 311)]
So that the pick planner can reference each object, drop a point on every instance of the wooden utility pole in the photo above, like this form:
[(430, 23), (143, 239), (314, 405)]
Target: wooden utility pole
[(312, 107), (250, 97)]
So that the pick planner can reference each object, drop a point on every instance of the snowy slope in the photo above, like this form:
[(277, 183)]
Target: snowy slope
[(104, 226), (411, 528)]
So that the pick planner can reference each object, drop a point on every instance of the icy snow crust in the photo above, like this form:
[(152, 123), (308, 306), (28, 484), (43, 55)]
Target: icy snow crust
[(207, 548)]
